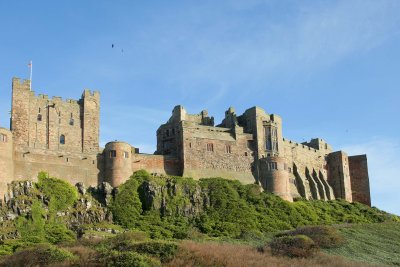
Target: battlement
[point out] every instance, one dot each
(87, 93)
(19, 84)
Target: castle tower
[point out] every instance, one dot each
(91, 121)
(275, 177)
(118, 162)
(20, 111)
(339, 175)
(6, 160)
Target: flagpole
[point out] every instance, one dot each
(30, 77)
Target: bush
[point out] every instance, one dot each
(126, 206)
(62, 194)
(39, 255)
(57, 232)
(323, 236)
(293, 246)
(127, 259)
(163, 250)
(32, 229)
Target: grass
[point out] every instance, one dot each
(372, 243)
(235, 255)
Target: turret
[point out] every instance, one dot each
(20, 110)
(118, 162)
(91, 121)
(275, 176)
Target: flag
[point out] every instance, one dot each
(30, 64)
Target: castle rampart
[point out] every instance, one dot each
(62, 138)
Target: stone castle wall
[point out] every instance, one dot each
(62, 138)
(216, 152)
(360, 179)
(6, 159)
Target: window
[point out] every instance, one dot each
(173, 131)
(210, 147)
(272, 166)
(113, 153)
(71, 122)
(3, 138)
(289, 170)
(39, 117)
(126, 155)
(228, 149)
(245, 154)
(190, 145)
(167, 133)
(62, 139)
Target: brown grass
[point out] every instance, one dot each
(193, 254)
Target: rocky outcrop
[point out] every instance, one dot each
(86, 210)
(173, 198)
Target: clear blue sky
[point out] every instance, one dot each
(331, 69)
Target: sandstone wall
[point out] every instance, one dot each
(6, 160)
(339, 175)
(359, 179)
(308, 170)
(72, 167)
(215, 152)
(159, 164)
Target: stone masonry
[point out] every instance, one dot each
(62, 138)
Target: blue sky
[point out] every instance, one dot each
(329, 68)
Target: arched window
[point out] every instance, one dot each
(62, 139)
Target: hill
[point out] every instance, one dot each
(145, 219)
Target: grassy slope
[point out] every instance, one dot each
(372, 243)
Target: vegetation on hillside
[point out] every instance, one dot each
(230, 209)
(153, 214)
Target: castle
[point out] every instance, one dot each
(62, 138)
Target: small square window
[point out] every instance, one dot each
(113, 154)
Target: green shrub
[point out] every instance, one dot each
(39, 255)
(323, 236)
(227, 209)
(62, 194)
(32, 229)
(127, 259)
(57, 232)
(293, 246)
(126, 206)
(165, 251)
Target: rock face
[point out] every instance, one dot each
(86, 209)
(173, 198)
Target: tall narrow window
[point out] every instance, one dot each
(126, 155)
(210, 147)
(71, 120)
(228, 149)
(62, 139)
(39, 117)
(271, 138)
(3, 138)
(113, 153)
